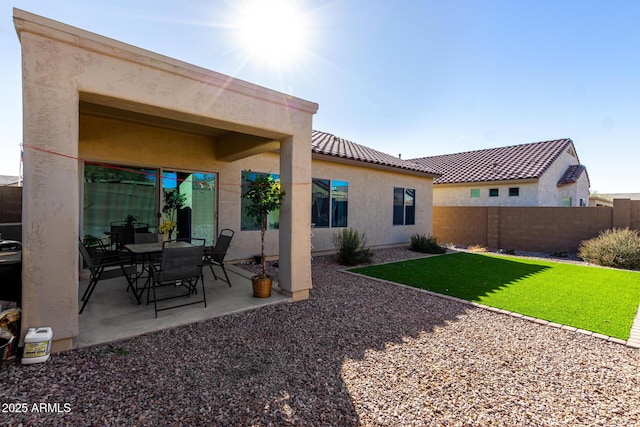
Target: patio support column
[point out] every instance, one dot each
(50, 206)
(295, 218)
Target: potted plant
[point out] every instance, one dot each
(264, 196)
(173, 201)
(165, 229)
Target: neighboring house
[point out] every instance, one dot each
(607, 199)
(109, 127)
(10, 181)
(600, 200)
(545, 173)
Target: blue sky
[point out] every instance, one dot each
(416, 78)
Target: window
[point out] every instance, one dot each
(583, 203)
(475, 192)
(329, 203)
(514, 191)
(493, 192)
(114, 192)
(566, 202)
(248, 223)
(404, 207)
(339, 203)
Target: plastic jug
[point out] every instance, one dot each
(37, 345)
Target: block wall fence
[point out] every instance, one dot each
(539, 229)
(10, 204)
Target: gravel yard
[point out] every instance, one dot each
(358, 352)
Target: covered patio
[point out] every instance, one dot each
(92, 104)
(112, 313)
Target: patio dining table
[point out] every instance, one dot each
(147, 251)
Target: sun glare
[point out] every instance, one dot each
(275, 32)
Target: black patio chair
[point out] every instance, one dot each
(105, 268)
(180, 264)
(214, 255)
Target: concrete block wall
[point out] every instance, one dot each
(10, 204)
(540, 229)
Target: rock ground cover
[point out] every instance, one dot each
(358, 352)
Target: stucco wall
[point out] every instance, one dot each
(460, 195)
(118, 141)
(371, 204)
(550, 194)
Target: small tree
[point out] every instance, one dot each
(264, 196)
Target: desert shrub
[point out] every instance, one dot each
(350, 247)
(426, 244)
(618, 248)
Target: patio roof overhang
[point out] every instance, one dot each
(69, 73)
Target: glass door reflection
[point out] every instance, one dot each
(196, 214)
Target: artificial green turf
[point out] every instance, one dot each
(591, 298)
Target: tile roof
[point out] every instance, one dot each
(572, 174)
(329, 144)
(524, 161)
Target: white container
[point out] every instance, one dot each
(37, 345)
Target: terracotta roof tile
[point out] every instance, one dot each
(572, 174)
(329, 144)
(522, 161)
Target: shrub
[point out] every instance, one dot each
(350, 247)
(618, 248)
(426, 244)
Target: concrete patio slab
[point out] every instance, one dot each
(112, 313)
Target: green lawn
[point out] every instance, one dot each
(591, 298)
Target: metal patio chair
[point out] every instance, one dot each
(178, 274)
(214, 255)
(105, 268)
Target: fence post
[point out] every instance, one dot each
(621, 213)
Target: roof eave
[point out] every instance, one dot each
(372, 165)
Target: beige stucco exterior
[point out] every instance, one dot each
(371, 203)
(460, 194)
(73, 83)
(541, 192)
(370, 206)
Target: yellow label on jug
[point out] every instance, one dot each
(35, 349)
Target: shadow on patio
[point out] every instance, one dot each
(112, 313)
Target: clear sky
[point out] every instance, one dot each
(416, 78)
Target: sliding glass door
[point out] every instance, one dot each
(118, 199)
(195, 214)
(114, 196)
